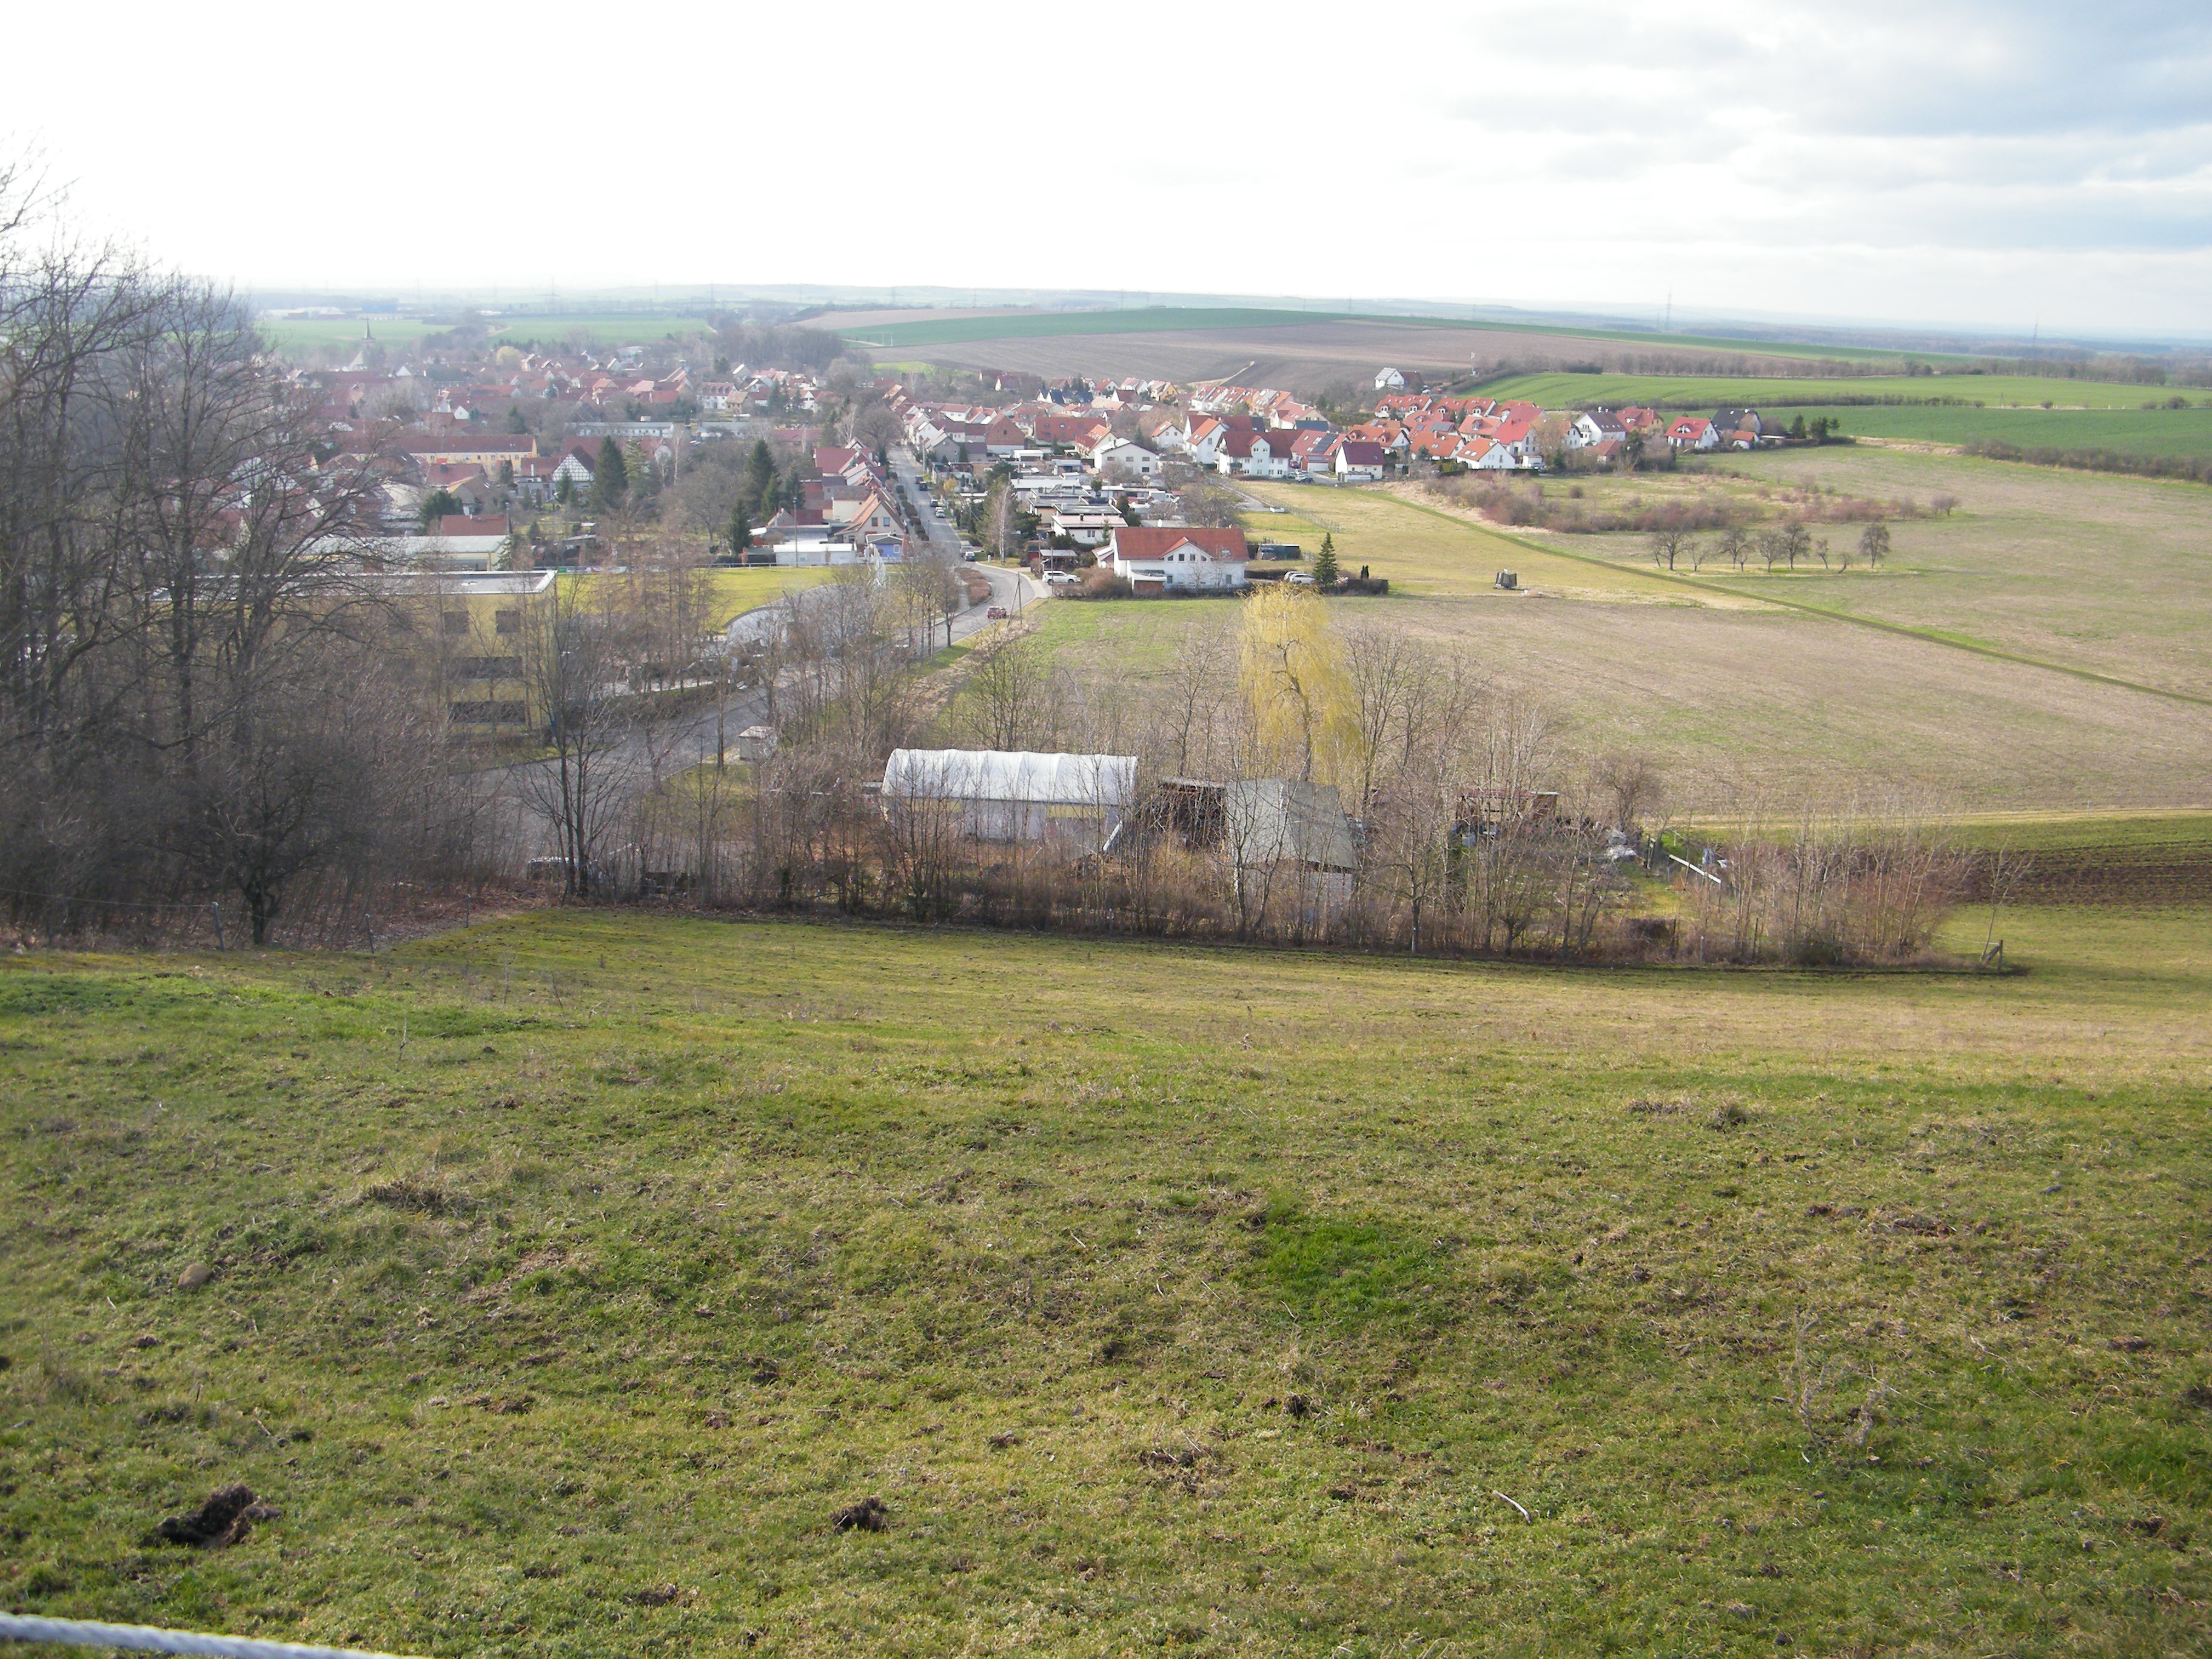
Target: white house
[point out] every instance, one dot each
(1358, 461)
(1257, 454)
(1389, 379)
(1518, 439)
(1595, 426)
(1204, 444)
(1120, 455)
(575, 469)
(1155, 560)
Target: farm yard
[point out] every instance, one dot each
(614, 1283)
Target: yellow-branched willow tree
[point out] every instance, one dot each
(1298, 692)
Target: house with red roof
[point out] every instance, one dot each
(1257, 454)
(1691, 432)
(1387, 435)
(1159, 559)
(1518, 439)
(1315, 451)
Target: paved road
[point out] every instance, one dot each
(943, 539)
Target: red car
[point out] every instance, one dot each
(996, 613)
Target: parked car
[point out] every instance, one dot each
(996, 613)
(1297, 579)
(1062, 579)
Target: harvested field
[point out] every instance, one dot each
(1273, 349)
(1736, 700)
(2109, 574)
(1734, 705)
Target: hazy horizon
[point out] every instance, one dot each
(1958, 164)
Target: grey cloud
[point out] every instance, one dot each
(1896, 70)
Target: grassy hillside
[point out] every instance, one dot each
(570, 1275)
(1692, 393)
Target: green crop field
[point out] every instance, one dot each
(1692, 393)
(562, 1280)
(2180, 432)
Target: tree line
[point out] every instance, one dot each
(1462, 821)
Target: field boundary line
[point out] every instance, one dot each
(1931, 636)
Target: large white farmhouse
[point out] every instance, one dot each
(1158, 561)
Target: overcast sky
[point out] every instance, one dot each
(1984, 163)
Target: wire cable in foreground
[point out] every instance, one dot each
(77, 1633)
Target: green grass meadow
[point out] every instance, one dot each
(568, 1273)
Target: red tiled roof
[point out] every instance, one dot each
(1132, 542)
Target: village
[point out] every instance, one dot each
(470, 482)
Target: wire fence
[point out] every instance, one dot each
(64, 907)
(145, 1639)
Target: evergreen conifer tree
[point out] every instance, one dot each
(760, 480)
(1325, 571)
(611, 477)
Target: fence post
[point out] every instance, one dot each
(215, 910)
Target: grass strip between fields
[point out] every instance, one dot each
(1933, 636)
